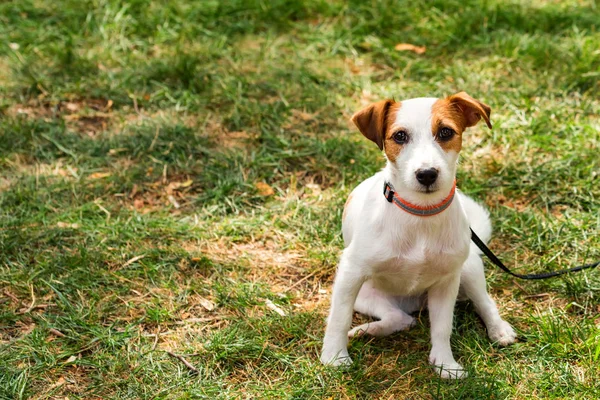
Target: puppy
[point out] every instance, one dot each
(406, 232)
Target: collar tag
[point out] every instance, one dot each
(388, 192)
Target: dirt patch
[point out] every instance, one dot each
(235, 139)
(224, 138)
(150, 197)
(302, 119)
(266, 256)
(518, 204)
(86, 116)
(287, 272)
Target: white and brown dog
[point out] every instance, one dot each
(406, 232)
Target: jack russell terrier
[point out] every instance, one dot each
(406, 232)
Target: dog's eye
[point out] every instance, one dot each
(446, 134)
(400, 137)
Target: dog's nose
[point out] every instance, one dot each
(427, 176)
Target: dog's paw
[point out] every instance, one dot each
(335, 358)
(445, 366)
(451, 371)
(502, 333)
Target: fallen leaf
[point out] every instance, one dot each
(316, 189)
(410, 47)
(134, 259)
(178, 185)
(273, 307)
(558, 211)
(72, 107)
(206, 303)
(264, 189)
(56, 332)
(518, 205)
(71, 359)
(67, 225)
(173, 201)
(26, 329)
(61, 381)
(99, 175)
(112, 152)
(195, 320)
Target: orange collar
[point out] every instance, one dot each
(390, 195)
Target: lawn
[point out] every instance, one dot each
(173, 175)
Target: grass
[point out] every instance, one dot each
(167, 167)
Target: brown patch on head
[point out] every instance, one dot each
(346, 207)
(392, 148)
(444, 114)
(457, 112)
(376, 123)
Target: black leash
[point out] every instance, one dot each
(390, 196)
(504, 268)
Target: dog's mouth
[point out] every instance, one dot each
(427, 189)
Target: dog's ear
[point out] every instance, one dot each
(473, 110)
(372, 121)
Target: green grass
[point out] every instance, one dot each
(167, 167)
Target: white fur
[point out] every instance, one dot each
(396, 263)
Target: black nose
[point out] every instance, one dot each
(427, 176)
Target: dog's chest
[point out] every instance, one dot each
(412, 266)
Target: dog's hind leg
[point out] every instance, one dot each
(384, 307)
(472, 282)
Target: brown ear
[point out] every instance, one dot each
(473, 110)
(372, 121)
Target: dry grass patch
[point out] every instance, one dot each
(72, 380)
(265, 260)
(60, 169)
(286, 272)
(86, 116)
(223, 138)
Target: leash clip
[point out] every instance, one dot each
(388, 192)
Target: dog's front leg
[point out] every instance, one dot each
(441, 299)
(348, 281)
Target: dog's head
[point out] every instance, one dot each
(421, 139)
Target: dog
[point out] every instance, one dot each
(406, 232)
